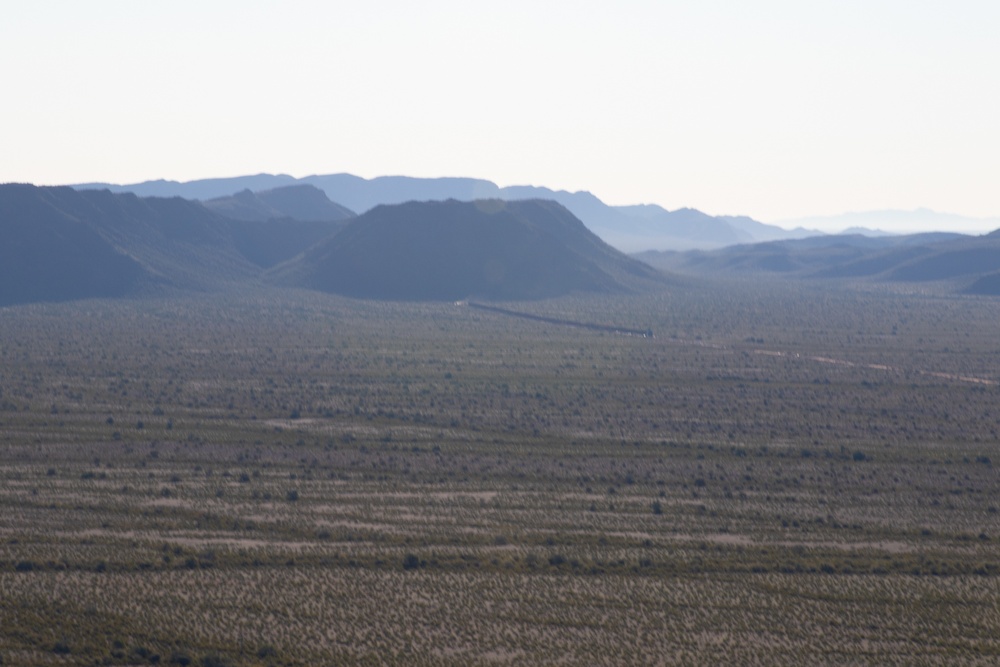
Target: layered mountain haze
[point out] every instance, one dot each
(208, 188)
(955, 262)
(451, 250)
(279, 223)
(305, 203)
(63, 244)
(424, 239)
(893, 221)
(627, 228)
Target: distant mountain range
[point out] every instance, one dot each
(627, 228)
(895, 222)
(299, 202)
(62, 244)
(968, 264)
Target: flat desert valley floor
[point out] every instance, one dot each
(781, 475)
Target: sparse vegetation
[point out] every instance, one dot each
(472, 488)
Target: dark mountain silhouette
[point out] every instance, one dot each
(628, 228)
(451, 250)
(48, 254)
(61, 243)
(179, 242)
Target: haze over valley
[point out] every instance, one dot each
(451, 334)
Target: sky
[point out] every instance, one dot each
(776, 109)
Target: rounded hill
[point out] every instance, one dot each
(450, 250)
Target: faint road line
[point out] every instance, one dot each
(877, 367)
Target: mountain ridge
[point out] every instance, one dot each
(306, 203)
(451, 250)
(956, 262)
(94, 243)
(897, 221)
(623, 227)
(65, 244)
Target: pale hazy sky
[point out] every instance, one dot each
(772, 108)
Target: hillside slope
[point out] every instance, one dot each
(48, 254)
(62, 244)
(956, 262)
(487, 249)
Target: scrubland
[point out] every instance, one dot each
(782, 475)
